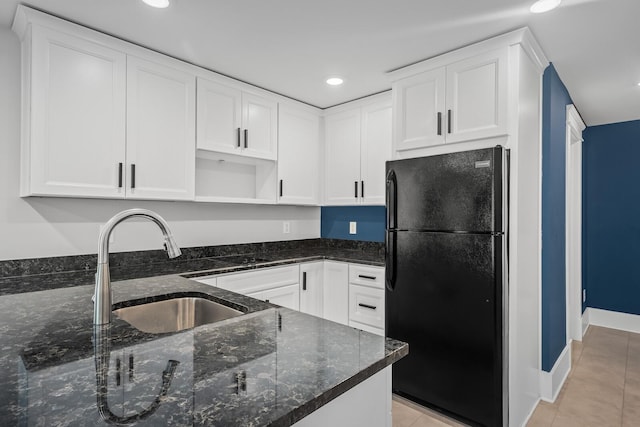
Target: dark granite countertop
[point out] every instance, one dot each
(271, 366)
(29, 275)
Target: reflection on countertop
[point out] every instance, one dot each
(270, 366)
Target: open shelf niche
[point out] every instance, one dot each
(230, 178)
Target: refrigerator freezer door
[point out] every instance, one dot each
(450, 192)
(447, 303)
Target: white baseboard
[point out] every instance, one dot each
(551, 382)
(585, 321)
(612, 319)
(533, 409)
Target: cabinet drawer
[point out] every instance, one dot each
(260, 279)
(366, 275)
(366, 305)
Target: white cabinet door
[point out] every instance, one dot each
(342, 176)
(219, 117)
(477, 96)
(160, 131)
(260, 122)
(311, 288)
(298, 156)
(236, 122)
(375, 150)
(366, 305)
(335, 293)
(76, 138)
(261, 279)
(419, 103)
(285, 296)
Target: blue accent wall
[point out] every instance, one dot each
(334, 222)
(611, 216)
(555, 99)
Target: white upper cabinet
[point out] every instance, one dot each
(160, 131)
(99, 121)
(419, 105)
(298, 156)
(219, 117)
(73, 116)
(375, 150)
(260, 121)
(358, 142)
(342, 160)
(236, 122)
(477, 97)
(462, 101)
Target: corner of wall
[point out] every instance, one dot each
(551, 382)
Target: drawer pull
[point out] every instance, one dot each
(372, 307)
(304, 280)
(362, 276)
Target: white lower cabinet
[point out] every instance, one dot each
(285, 296)
(366, 405)
(366, 305)
(366, 298)
(351, 294)
(262, 279)
(336, 292)
(311, 288)
(277, 285)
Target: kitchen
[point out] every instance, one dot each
(48, 227)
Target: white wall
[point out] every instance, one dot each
(41, 227)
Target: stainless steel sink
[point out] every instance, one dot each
(175, 314)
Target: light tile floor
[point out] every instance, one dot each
(408, 414)
(603, 388)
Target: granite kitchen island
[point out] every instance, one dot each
(269, 366)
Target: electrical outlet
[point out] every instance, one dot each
(286, 227)
(584, 295)
(352, 227)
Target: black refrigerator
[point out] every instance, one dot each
(446, 281)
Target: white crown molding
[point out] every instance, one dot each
(522, 36)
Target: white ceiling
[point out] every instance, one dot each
(292, 46)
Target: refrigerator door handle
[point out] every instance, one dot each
(390, 261)
(392, 200)
(390, 238)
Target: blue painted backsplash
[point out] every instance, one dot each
(334, 222)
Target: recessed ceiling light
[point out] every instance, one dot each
(542, 6)
(334, 81)
(157, 3)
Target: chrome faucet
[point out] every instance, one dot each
(102, 296)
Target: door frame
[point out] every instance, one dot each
(573, 223)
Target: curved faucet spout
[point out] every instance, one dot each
(102, 295)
